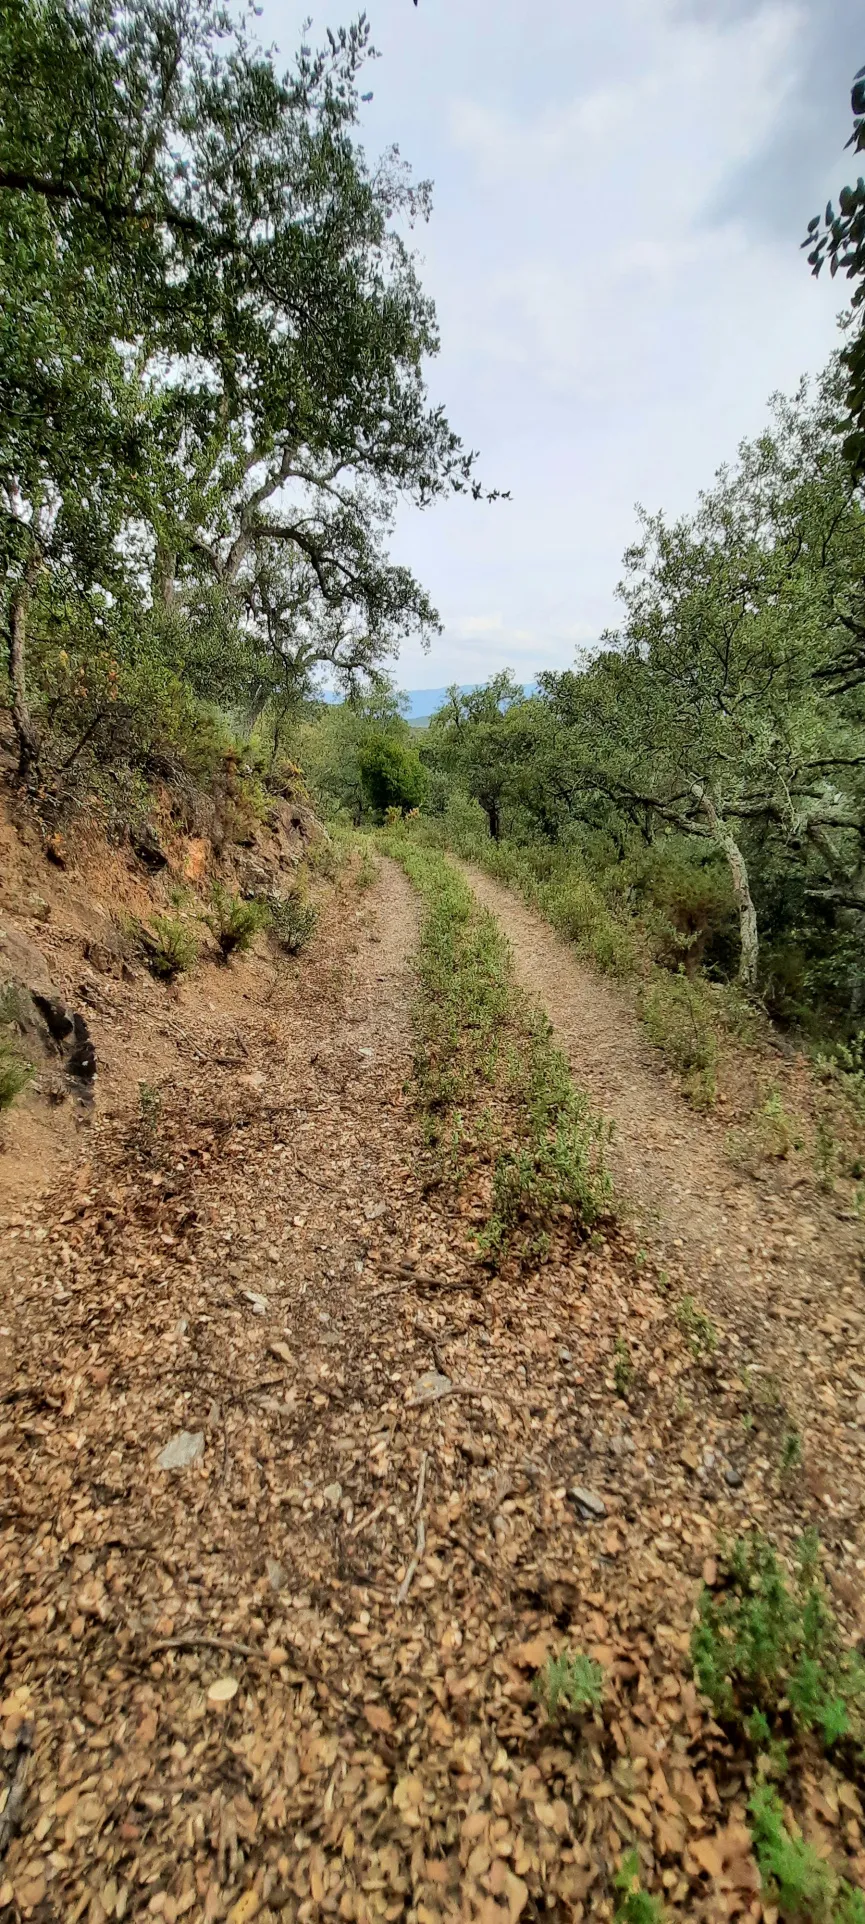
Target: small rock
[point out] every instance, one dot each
(185, 1448)
(709, 1459)
(373, 1211)
(57, 1018)
(860, 1409)
(564, 1355)
(81, 1060)
(429, 1386)
(148, 847)
(333, 1494)
(587, 1501)
(260, 1304)
(733, 1477)
(275, 1574)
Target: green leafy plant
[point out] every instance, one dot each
(234, 921)
(767, 1651)
(15, 1073)
(572, 1680)
(292, 922)
(169, 946)
(699, 1328)
(635, 1906)
(791, 1452)
(677, 1014)
(796, 1878)
(623, 1368)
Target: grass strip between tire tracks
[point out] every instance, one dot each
(496, 1093)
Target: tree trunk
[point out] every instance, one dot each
(164, 576)
(748, 935)
(22, 720)
(491, 810)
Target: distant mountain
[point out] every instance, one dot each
(423, 702)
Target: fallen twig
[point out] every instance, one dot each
(209, 1643)
(420, 1541)
(366, 1522)
(11, 1813)
(462, 1389)
(411, 1572)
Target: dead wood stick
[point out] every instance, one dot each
(233, 1649)
(11, 1814)
(366, 1522)
(462, 1389)
(209, 1643)
(411, 1572)
(420, 1540)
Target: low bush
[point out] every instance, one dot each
(795, 1878)
(292, 922)
(766, 1645)
(15, 1073)
(169, 947)
(635, 1906)
(573, 1681)
(678, 1018)
(699, 1328)
(234, 921)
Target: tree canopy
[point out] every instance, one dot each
(212, 343)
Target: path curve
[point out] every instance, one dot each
(776, 1263)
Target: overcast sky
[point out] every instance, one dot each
(620, 191)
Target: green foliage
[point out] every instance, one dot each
(292, 921)
(15, 1073)
(234, 921)
(571, 1681)
(839, 238)
(677, 1016)
(623, 1368)
(475, 1031)
(762, 1644)
(203, 375)
(391, 775)
(799, 1881)
(699, 1328)
(635, 1906)
(168, 945)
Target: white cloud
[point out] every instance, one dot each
(606, 337)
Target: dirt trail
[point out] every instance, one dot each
(293, 1680)
(777, 1262)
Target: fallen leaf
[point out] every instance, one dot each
(247, 1906)
(379, 1718)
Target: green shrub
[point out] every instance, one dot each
(235, 922)
(762, 1644)
(845, 1065)
(699, 1328)
(635, 1906)
(573, 1680)
(795, 1877)
(169, 946)
(392, 775)
(292, 922)
(15, 1073)
(677, 1015)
